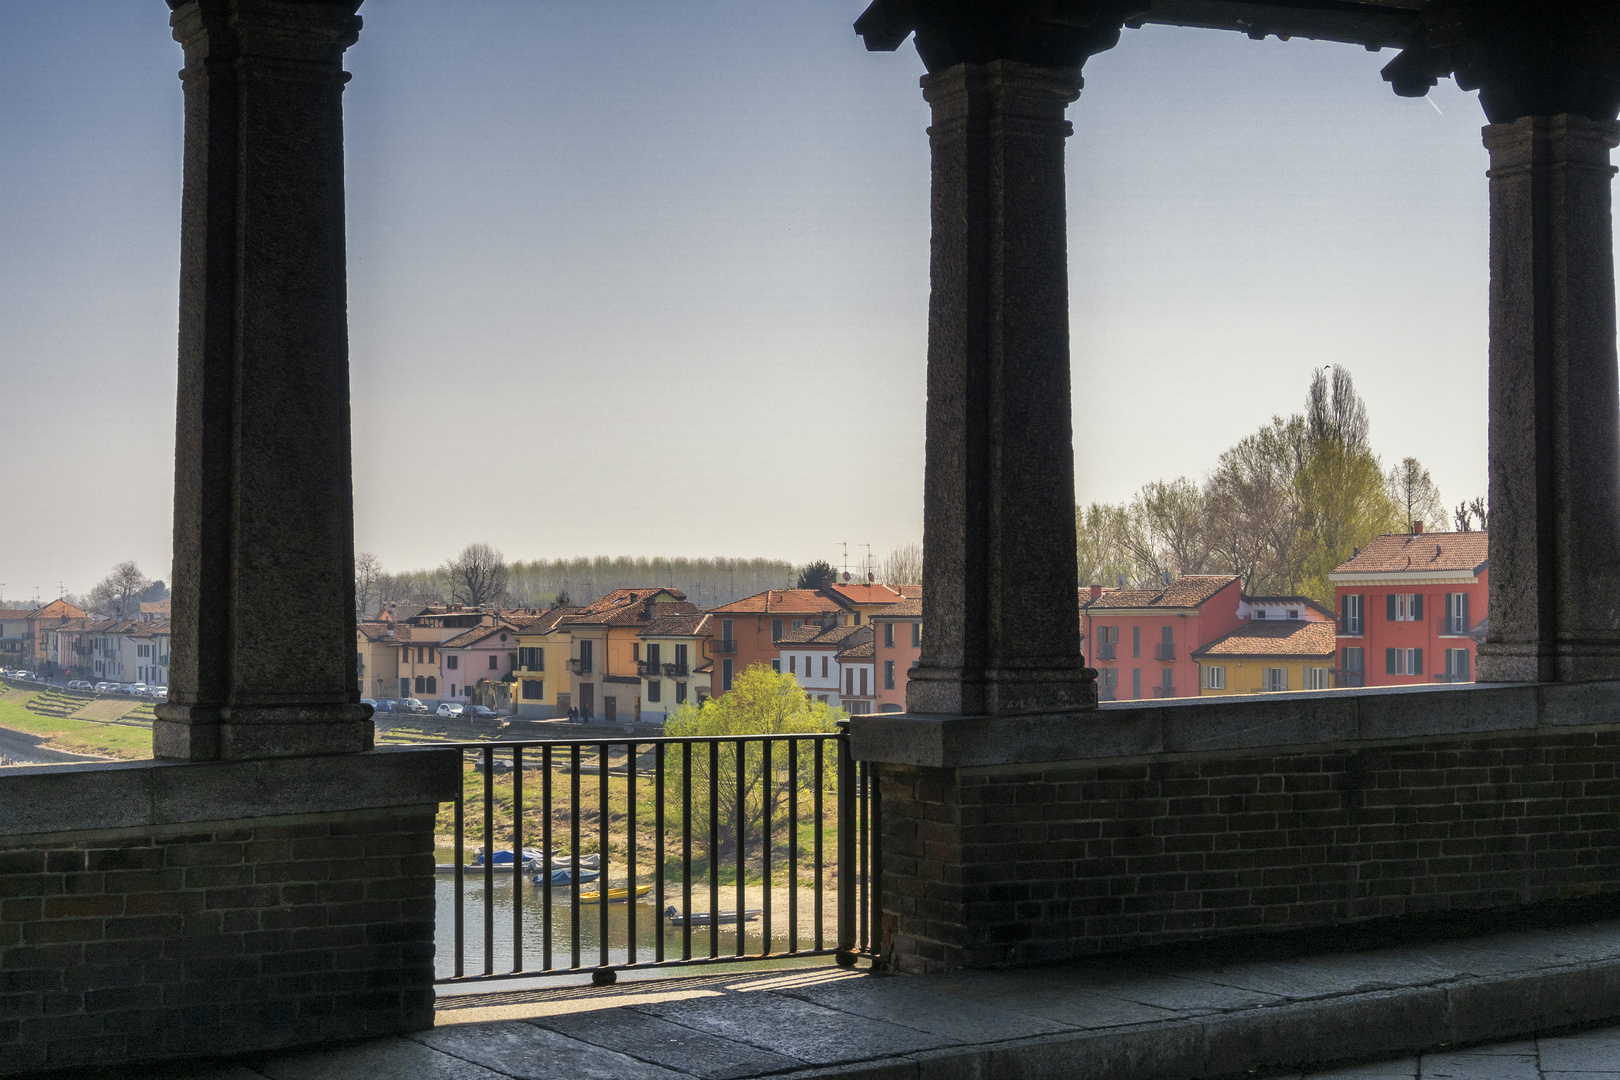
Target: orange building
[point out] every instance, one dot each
(897, 637)
(749, 628)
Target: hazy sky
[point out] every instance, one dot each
(652, 278)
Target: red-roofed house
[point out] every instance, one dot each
(749, 628)
(1411, 609)
(897, 639)
(1141, 640)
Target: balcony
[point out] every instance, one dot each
(1106, 693)
(1104, 651)
(580, 666)
(1164, 691)
(726, 645)
(675, 671)
(1164, 652)
(1348, 679)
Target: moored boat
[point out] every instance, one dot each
(563, 875)
(614, 896)
(703, 918)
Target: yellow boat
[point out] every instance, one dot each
(613, 895)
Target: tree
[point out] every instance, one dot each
(1100, 544)
(813, 574)
(119, 593)
(563, 599)
(367, 572)
(1167, 530)
(904, 565)
(477, 576)
(1467, 513)
(760, 702)
(1252, 503)
(1414, 493)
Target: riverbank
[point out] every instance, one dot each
(29, 738)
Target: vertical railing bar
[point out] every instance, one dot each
(630, 852)
(602, 879)
(573, 853)
(793, 845)
(863, 794)
(742, 843)
(846, 846)
(545, 857)
(658, 850)
(517, 858)
(767, 791)
(489, 860)
(821, 814)
(714, 848)
(686, 851)
(461, 914)
(876, 833)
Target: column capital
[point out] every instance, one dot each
(1040, 33)
(315, 31)
(1526, 59)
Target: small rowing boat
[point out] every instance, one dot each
(702, 918)
(563, 875)
(614, 896)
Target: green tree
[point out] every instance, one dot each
(813, 574)
(760, 702)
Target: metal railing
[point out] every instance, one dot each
(1164, 652)
(1164, 691)
(726, 644)
(580, 665)
(1104, 650)
(721, 815)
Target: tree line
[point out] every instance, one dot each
(1280, 509)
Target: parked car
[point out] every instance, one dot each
(161, 693)
(78, 684)
(449, 708)
(369, 701)
(386, 704)
(479, 712)
(413, 705)
(104, 687)
(138, 688)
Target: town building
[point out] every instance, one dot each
(128, 650)
(675, 664)
(1268, 656)
(855, 668)
(897, 638)
(1141, 641)
(377, 657)
(420, 637)
(1274, 608)
(748, 629)
(607, 649)
(863, 599)
(810, 653)
(1412, 607)
(484, 652)
(545, 680)
(16, 639)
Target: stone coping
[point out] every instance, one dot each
(1204, 725)
(53, 799)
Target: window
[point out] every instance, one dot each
(585, 658)
(421, 654)
(823, 665)
(433, 685)
(1259, 612)
(421, 685)
(680, 693)
(1275, 678)
(1136, 682)
(652, 655)
(1136, 643)
(1355, 666)
(534, 689)
(863, 682)
(452, 689)
(451, 661)
(849, 682)
(776, 666)
(797, 623)
(1457, 662)
(1404, 607)
(793, 664)
(532, 659)
(1318, 678)
(1293, 613)
(680, 659)
(1110, 676)
(916, 635)
(1403, 661)
(494, 662)
(1456, 613)
(655, 690)
(725, 675)
(1214, 678)
(888, 673)
(725, 632)
(888, 635)
(1167, 678)
(432, 658)
(635, 651)
(1350, 614)
(776, 629)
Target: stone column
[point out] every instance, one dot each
(263, 613)
(1555, 403)
(1001, 616)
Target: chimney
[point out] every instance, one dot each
(1417, 528)
(1096, 591)
(826, 584)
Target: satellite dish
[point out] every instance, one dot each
(846, 575)
(871, 576)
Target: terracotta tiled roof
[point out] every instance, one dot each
(620, 598)
(1184, 592)
(154, 607)
(783, 601)
(864, 593)
(473, 635)
(815, 635)
(545, 622)
(908, 608)
(377, 630)
(637, 614)
(7, 614)
(679, 625)
(1419, 553)
(866, 650)
(58, 609)
(1289, 638)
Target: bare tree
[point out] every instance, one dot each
(367, 574)
(1100, 549)
(1414, 492)
(1252, 502)
(903, 566)
(119, 592)
(478, 576)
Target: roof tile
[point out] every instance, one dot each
(1419, 553)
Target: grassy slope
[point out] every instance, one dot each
(77, 736)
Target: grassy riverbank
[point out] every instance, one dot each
(124, 741)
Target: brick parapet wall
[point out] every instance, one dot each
(1030, 863)
(126, 945)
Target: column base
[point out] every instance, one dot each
(1547, 661)
(245, 732)
(1000, 691)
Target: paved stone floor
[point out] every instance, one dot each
(1472, 1008)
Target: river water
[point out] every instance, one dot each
(649, 924)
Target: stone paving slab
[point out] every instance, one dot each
(1489, 1008)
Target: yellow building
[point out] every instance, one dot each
(378, 656)
(675, 664)
(606, 657)
(545, 683)
(1267, 657)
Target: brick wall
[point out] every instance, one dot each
(215, 939)
(1018, 864)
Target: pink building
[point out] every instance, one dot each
(897, 640)
(483, 652)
